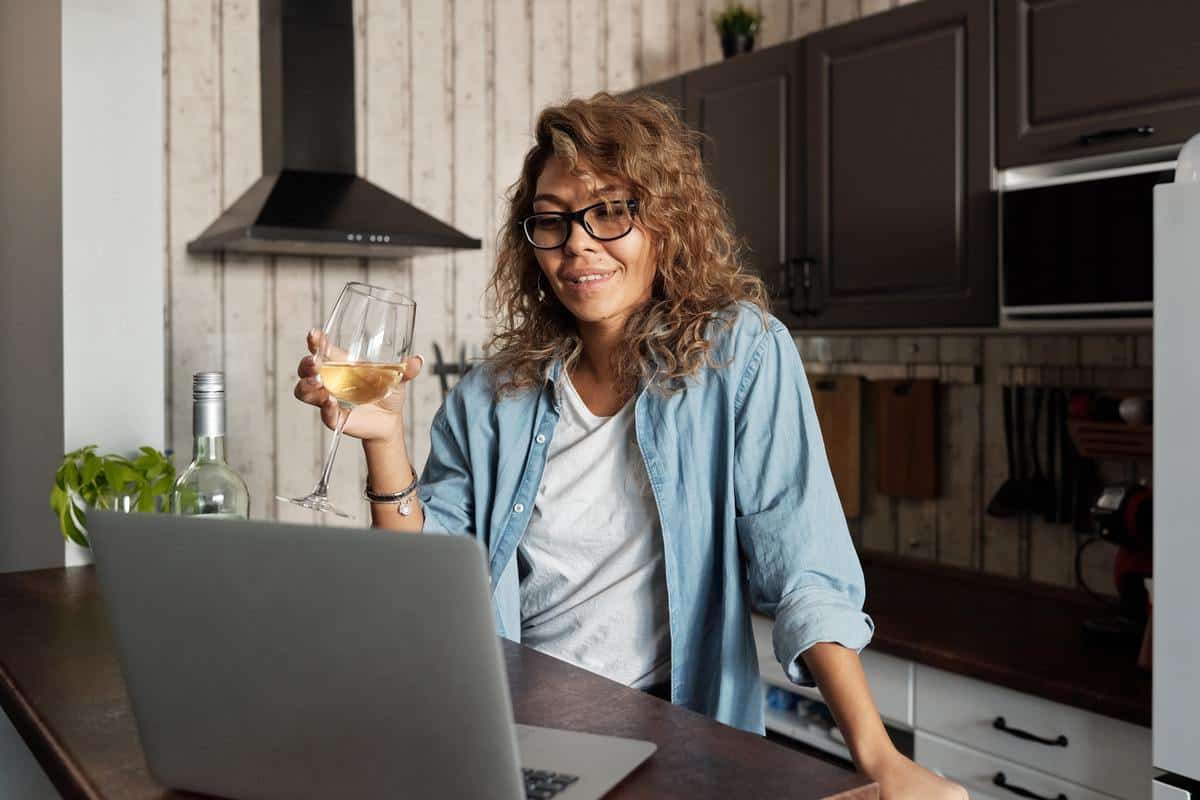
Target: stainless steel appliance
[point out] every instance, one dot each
(1080, 245)
(1176, 593)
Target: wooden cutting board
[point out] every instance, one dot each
(906, 438)
(838, 401)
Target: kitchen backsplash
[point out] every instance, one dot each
(971, 370)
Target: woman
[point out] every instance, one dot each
(639, 451)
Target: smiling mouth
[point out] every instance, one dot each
(585, 280)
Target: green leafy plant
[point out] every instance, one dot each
(737, 20)
(86, 480)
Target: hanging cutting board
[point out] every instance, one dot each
(906, 438)
(838, 401)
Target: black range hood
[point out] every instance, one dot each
(309, 200)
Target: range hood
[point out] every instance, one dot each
(309, 200)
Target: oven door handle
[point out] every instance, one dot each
(1116, 133)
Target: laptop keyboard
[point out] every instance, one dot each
(540, 785)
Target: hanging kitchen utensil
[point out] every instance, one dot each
(1039, 486)
(906, 438)
(1070, 463)
(838, 403)
(443, 368)
(1009, 500)
(1005, 503)
(439, 369)
(1053, 458)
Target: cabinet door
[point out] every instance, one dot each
(1086, 77)
(901, 216)
(669, 89)
(749, 108)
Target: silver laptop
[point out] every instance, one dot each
(285, 661)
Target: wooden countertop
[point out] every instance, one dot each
(61, 685)
(1011, 633)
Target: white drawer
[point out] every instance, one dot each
(1102, 753)
(890, 678)
(977, 772)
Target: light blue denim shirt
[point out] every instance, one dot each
(750, 516)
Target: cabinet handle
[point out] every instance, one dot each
(1116, 133)
(788, 284)
(785, 286)
(1003, 783)
(1000, 725)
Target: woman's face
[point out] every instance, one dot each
(598, 282)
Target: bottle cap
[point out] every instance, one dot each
(208, 385)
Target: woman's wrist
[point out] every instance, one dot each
(873, 753)
(385, 444)
(388, 466)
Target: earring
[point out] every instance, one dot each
(541, 293)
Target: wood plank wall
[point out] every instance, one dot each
(446, 94)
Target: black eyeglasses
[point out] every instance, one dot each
(604, 221)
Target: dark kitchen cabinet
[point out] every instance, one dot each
(901, 221)
(750, 109)
(1086, 77)
(669, 89)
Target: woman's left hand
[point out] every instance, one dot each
(901, 779)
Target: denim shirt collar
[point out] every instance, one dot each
(554, 376)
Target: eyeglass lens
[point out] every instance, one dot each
(604, 221)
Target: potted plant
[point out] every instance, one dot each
(737, 26)
(86, 480)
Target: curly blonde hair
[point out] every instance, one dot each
(699, 272)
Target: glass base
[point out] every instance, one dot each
(316, 502)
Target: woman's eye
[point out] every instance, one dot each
(547, 223)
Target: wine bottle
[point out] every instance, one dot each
(208, 485)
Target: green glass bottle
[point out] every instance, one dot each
(208, 485)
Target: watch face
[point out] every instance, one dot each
(1110, 499)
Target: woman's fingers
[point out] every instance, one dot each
(316, 342)
(412, 367)
(307, 368)
(309, 390)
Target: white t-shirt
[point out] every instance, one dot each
(595, 592)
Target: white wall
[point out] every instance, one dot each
(30, 282)
(114, 223)
(20, 775)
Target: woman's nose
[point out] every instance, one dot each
(578, 240)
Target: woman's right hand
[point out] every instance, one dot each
(379, 421)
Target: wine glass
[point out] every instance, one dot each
(360, 360)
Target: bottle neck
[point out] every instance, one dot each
(208, 430)
(209, 448)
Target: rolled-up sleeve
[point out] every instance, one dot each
(446, 490)
(800, 560)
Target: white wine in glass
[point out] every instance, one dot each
(360, 360)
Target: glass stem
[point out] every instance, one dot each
(322, 485)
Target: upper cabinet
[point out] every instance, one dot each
(1087, 77)
(669, 89)
(750, 109)
(901, 221)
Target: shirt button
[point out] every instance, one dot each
(518, 508)
(541, 438)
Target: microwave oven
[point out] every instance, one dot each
(1080, 245)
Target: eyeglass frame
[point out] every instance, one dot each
(579, 216)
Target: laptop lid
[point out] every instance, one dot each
(282, 661)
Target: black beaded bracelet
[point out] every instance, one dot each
(402, 498)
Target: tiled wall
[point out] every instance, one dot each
(972, 369)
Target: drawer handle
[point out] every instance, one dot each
(1115, 133)
(1003, 783)
(1001, 725)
